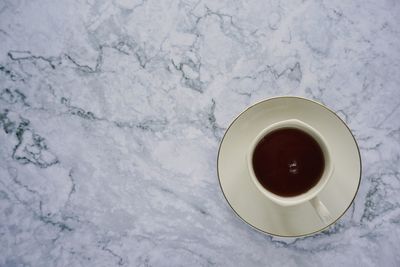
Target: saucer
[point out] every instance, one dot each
(250, 204)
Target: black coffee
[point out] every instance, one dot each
(288, 162)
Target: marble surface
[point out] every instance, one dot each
(111, 114)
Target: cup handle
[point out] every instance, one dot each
(322, 211)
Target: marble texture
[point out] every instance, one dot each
(111, 114)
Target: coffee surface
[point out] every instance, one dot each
(288, 162)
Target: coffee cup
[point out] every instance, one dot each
(311, 195)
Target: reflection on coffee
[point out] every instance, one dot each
(288, 162)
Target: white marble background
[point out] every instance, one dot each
(111, 113)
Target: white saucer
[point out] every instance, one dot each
(250, 204)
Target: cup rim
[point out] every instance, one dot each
(312, 192)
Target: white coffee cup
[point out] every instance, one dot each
(312, 194)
